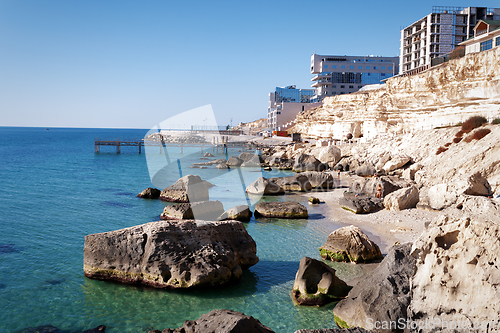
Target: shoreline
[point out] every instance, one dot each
(384, 227)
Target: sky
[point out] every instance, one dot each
(133, 64)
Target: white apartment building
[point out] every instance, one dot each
(486, 36)
(439, 33)
(285, 103)
(337, 75)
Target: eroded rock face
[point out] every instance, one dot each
(383, 295)
(189, 188)
(284, 210)
(350, 244)
(316, 283)
(318, 180)
(239, 213)
(402, 199)
(150, 193)
(201, 210)
(263, 186)
(457, 265)
(222, 321)
(171, 254)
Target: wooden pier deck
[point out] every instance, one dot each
(141, 143)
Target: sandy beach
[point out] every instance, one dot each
(384, 227)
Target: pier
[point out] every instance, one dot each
(141, 143)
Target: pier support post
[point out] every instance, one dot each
(118, 147)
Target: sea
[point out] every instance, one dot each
(55, 190)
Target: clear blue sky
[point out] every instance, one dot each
(135, 63)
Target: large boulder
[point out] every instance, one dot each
(402, 199)
(249, 156)
(304, 162)
(239, 213)
(350, 244)
(222, 321)
(444, 195)
(171, 254)
(263, 186)
(189, 188)
(360, 204)
(320, 180)
(368, 186)
(329, 155)
(457, 278)
(396, 162)
(150, 193)
(284, 210)
(316, 283)
(297, 182)
(234, 161)
(383, 295)
(201, 210)
(365, 170)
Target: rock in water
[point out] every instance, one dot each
(383, 295)
(284, 210)
(222, 321)
(316, 283)
(171, 254)
(263, 186)
(201, 210)
(239, 213)
(350, 244)
(457, 277)
(208, 155)
(189, 188)
(234, 161)
(150, 193)
(402, 199)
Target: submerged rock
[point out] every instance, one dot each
(284, 210)
(239, 213)
(171, 254)
(350, 244)
(222, 321)
(316, 283)
(234, 161)
(383, 295)
(189, 188)
(150, 193)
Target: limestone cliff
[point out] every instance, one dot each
(446, 94)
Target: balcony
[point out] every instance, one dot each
(319, 76)
(321, 83)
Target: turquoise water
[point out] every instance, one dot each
(55, 190)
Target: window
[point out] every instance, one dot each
(342, 86)
(342, 66)
(279, 112)
(334, 86)
(351, 67)
(382, 74)
(486, 45)
(374, 67)
(382, 67)
(367, 67)
(498, 41)
(390, 68)
(325, 66)
(302, 107)
(359, 87)
(351, 87)
(360, 67)
(334, 66)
